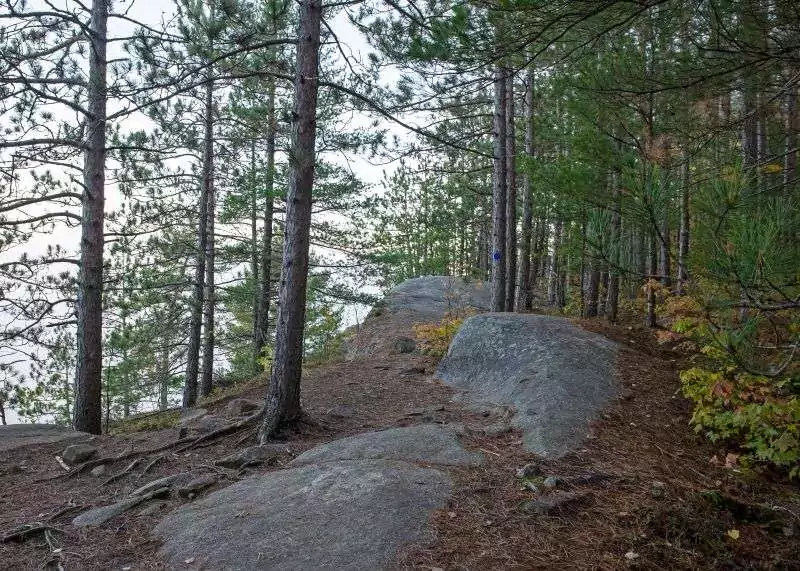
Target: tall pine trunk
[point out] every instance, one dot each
(196, 322)
(283, 396)
(261, 334)
(499, 194)
(525, 298)
(665, 250)
(790, 160)
(89, 309)
(209, 296)
(612, 301)
(683, 236)
(254, 258)
(511, 195)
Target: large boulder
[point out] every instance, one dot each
(17, 435)
(424, 443)
(554, 374)
(337, 515)
(431, 297)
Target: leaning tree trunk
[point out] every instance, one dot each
(525, 298)
(196, 324)
(511, 195)
(88, 379)
(499, 194)
(283, 396)
(261, 334)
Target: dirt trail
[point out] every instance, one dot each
(645, 494)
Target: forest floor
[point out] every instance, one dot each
(654, 497)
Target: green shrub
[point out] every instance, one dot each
(434, 338)
(755, 411)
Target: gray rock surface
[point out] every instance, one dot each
(18, 435)
(426, 443)
(77, 453)
(431, 297)
(239, 407)
(336, 515)
(555, 375)
(197, 485)
(554, 503)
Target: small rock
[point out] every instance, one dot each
(165, 482)
(529, 471)
(77, 453)
(658, 489)
(98, 471)
(788, 531)
(404, 345)
(413, 371)
(530, 486)
(196, 486)
(494, 430)
(551, 482)
(251, 456)
(239, 407)
(153, 509)
(551, 504)
(342, 411)
(205, 424)
(631, 556)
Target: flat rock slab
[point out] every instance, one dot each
(337, 515)
(555, 375)
(17, 435)
(431, 297)
(425, 443)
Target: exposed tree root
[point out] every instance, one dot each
(23, 532)
(124, 472)
(182, 445)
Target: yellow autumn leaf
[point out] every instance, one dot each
(733, 533)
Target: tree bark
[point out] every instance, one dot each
(209, 296)
(612, 302)
(525, 298)
(499, 194)
(89, 309)
(790, 160)
(283, 396)
(511, 195)
(553, 281)
(665, 250)
(651, 292)
(261, 336)
(196, 323)
(592, 289)
(683, 236)
(255, 274)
